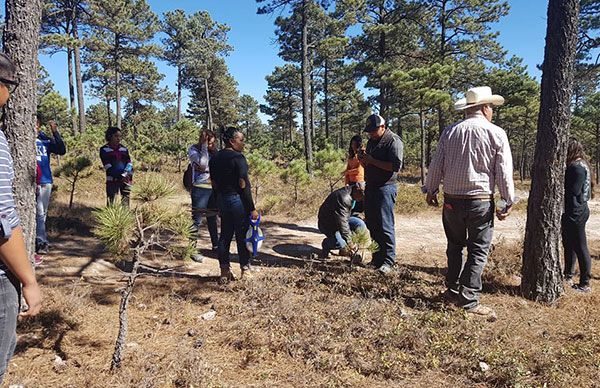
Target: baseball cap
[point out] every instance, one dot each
(7, 70)
(373, 122)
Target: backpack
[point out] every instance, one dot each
(187, 177)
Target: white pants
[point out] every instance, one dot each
(43, 199)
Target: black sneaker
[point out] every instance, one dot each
(43, 248)
(450, 296)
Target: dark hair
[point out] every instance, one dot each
(110, 131)
(210, 134)
(229, 134)
(355, 138)
(575, 151)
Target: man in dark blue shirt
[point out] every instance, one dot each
(382, 160)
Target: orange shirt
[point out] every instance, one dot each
(355, 172)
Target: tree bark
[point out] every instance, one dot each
(21, 40)
(597, 150)
(108, 115)
(305, 91)
(122, 336)
(79, 80)
(72, 107)
(542, 278)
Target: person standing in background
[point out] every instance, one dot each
(45, 146)
(119, 169)
(203, 200)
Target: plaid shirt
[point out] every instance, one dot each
(472, 157)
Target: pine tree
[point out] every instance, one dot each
(542, 278)
(248, 119)
(191, 45)
(283, 100)
(122, 31)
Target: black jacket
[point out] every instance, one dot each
(335, 211)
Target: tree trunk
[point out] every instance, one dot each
(108, 116)
(422, 125)
(118, 98)
(542, 278)
(209, 118)
(326, 98)
(72, 107)
(305, 91)
(122, 336)
(598, 153)
(179, 78)
(79, 80)
(313, 132)
(21, 40)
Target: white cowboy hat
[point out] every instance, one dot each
(478, 96)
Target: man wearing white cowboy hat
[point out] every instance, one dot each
(472, 157)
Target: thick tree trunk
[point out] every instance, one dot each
(79, 81)
(306, 91)
(122, 336)
(313, 130)
(21, 40)
(542, 278)
(72, 106)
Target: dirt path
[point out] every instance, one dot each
(287, 245)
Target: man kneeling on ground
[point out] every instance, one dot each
(336, 221)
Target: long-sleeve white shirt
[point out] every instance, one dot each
(473, 156)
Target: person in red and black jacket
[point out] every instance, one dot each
(117, 164)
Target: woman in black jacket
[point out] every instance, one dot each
(578, 190)
(229, 178)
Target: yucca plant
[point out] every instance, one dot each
(130, 233)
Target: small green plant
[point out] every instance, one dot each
(296, 176)
(130, 233)
(261, 169)
(74, 170)
(360, 243)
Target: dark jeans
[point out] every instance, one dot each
(379, 214)
(467, 223)
(112, 189)
(334, 240)
(202, 200)
(575, 244)
(234, 219)
(9, 309)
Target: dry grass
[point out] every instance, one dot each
(305, 327)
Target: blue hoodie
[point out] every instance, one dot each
(44, 146)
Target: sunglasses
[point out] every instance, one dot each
(10, 85)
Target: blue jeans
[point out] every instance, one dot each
(379, 213)
(9, 309)
(467, 223)
(202, 199)
(334, 240)
(234, 219)
(42, 200)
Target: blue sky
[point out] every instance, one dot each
(522, 33)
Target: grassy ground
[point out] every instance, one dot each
(303, 326)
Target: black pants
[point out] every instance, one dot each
(113, 188)
(575, 243)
